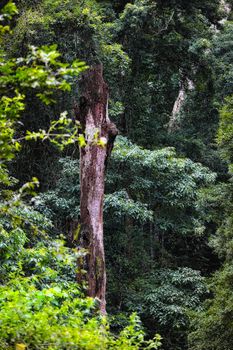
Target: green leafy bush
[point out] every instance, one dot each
(59, 317)
(163, 299)
(211, 329)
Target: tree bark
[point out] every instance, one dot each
(93, 116)
(186, 85)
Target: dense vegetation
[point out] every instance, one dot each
(168, 207)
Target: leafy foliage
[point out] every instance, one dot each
(225, 132)
(164, 299)
(40, 304)
(168, 203)
(156, 202)
(58, 317)
(211, 329)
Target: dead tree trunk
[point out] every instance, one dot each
(186, 85)
(93, 116)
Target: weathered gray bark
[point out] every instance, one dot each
(226, 7)
(173, 124)
(93, 116)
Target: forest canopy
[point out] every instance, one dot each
(116, 160)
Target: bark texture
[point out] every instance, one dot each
(92, 113)
(186, 85)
